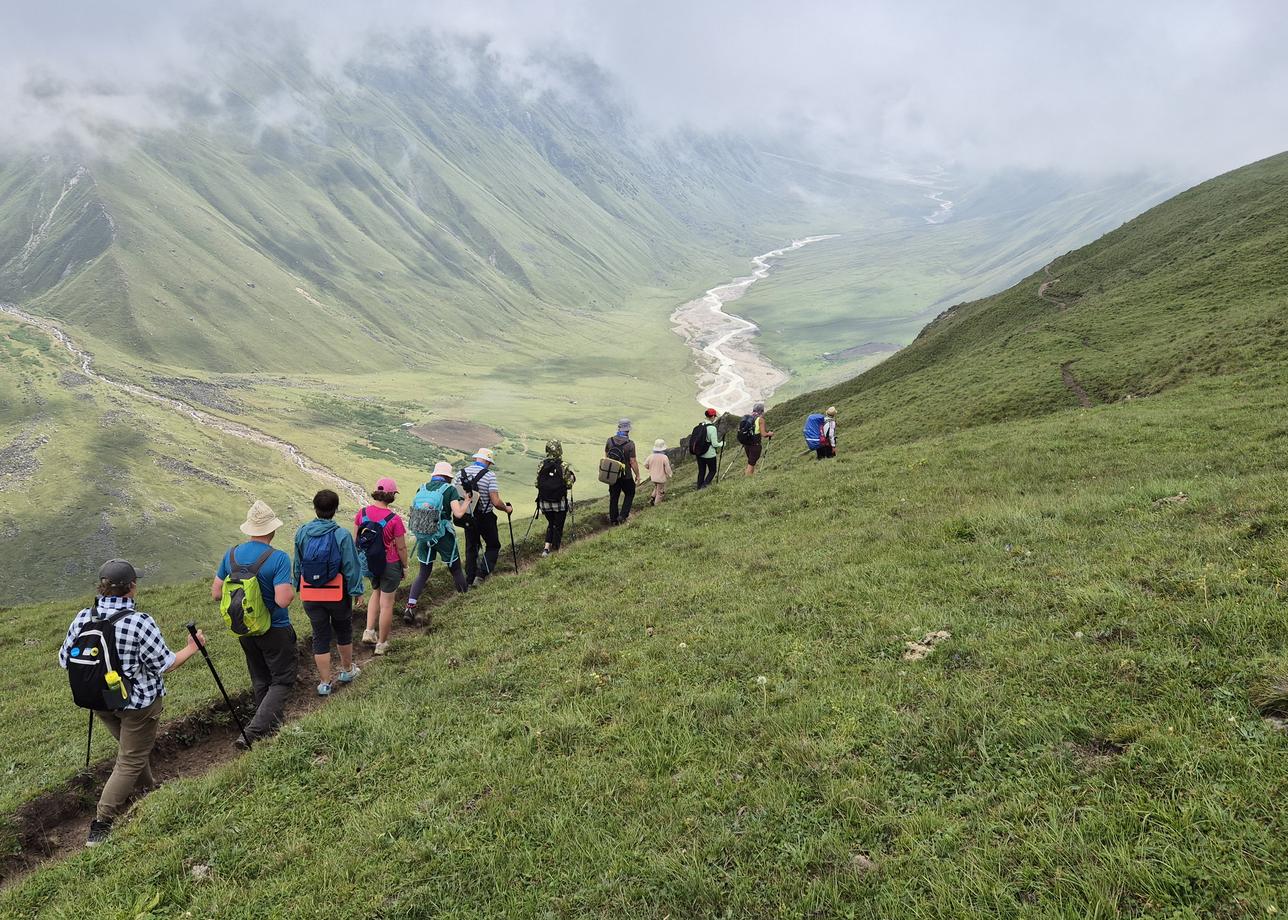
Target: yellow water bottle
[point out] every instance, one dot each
(114, 682)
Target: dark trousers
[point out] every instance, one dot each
(270, 658)
(824, 451)
(554, 527)
(482, 531)
(706, 471)
(331, 620)
(623, 491)
(422, 578)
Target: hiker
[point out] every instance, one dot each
(478, 481)
(752, 433)
(659, 469)
(619, 454)
(328, 576)
(554, 487)
(382, 541)
(433, 509)
(140, 657)
(827, 436)
(705, 444)
(270, 653)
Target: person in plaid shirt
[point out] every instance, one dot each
(144, 657)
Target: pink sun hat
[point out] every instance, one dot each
(386, 485)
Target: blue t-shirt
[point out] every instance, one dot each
(276, 570)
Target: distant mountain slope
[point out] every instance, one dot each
(411, 199)
(1196, 286)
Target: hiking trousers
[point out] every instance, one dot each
(706, 471)
(554, 527)
(483, 531)
(422, 579)
(135, 731)
(659, 492)
(623, 491)
(271, 660)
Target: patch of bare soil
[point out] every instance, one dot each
(1095, 753)
(457, 435)
(1072, 384)
(921, 648)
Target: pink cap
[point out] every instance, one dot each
(386, 485)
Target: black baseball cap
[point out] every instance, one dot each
(117, 573)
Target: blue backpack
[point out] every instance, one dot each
(426, 518)
(320, 560)
(814, 430)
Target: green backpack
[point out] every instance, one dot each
(242, 604)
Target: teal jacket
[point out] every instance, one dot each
(713, 439)
(349, 565)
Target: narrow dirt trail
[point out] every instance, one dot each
(1045, 287)
(202, 418)
(54, 824)
(1071, 382)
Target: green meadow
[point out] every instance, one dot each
(720, 709)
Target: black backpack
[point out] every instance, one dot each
(91, 658)
(550, 482)
(371, 543)
(747, 431)
(698, 443)
(470, 486)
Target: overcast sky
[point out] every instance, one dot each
(1189, 87)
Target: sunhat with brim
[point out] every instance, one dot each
(623, 424)
(117, 573)
(387, 485)
(483, 454)
(260, 521)
(831, 412)
(659, 445)
(443, 468)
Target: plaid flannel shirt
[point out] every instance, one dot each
(143, 654)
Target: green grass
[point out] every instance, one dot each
(595, 739)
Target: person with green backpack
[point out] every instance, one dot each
(254, 587)
(436, 503)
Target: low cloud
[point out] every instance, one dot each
(1186, 87)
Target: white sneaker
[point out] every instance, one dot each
(368, 637)
(382, 647)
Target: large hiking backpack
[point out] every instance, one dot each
(426, 518)
(814, 430)
(242, 604)
(551, 487)
(320, 563)
(371, 542)
(613, 466)
(747, 431)
(91, 659)
(698, 443)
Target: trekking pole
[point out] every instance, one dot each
(192, 631)
(509, 519)
(89, 739)
(719, 460)
(527, 533)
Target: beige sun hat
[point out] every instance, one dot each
(831, 412)
(260, 521)
(443, 468)
(659, 445)
(483, 454)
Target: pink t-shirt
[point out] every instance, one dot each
(393, 530)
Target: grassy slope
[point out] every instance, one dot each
(1082, 746)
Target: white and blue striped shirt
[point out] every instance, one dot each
(143, 654)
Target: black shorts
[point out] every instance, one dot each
(753, 452)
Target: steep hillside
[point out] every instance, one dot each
(999, 658)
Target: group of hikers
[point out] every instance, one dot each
(116, 657)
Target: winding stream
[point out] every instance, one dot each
(205, 419)
(734, 372)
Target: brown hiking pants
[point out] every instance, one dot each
(135, 731)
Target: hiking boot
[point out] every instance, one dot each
(240, 743)
(324, 689)
(545, 553)
(409, 616)
(346, 677)
(368, 637)
(382, 647)
(98, 831)
(478, 582)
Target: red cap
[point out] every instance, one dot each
(712, 413)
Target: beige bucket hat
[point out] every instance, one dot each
(260, 521)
